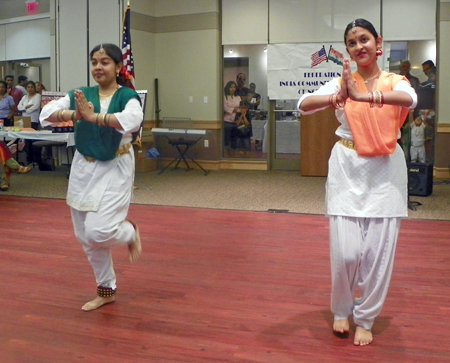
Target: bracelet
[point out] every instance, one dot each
(96, 119)
(72, 116)
(381, 99)
(103, 118)
(371, 99)
(334, 103)
(62, 115)
(58, 116)
(107, 117)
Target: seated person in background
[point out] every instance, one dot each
(7, 164)
(7, 105)
(417, 151)
(244, 133)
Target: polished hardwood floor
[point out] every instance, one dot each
(211, 286)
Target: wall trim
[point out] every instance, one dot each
(441, 173)
(443, 128)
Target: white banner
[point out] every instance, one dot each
(295, 69)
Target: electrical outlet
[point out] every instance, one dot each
(206, 143)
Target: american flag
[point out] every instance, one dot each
(318, 57)
(127, 53)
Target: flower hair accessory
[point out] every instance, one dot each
(124, 73)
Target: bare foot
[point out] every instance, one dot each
(362, 336)
(135, 247)
(97, 302)
(341, 326)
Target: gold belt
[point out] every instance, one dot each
(348, 143)
(124, 149)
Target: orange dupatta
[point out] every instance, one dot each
(375, 130)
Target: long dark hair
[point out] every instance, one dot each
(226, 89)
(363, 23)
(114, 52)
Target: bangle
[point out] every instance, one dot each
(62, 115)
(72, 116)
(381, 99)
(334, 103)
(96, 119)
(371, 99)
(107, 117)
(58, 116)
(103, 119)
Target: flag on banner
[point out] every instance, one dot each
(335, 56)
(127, 53)
(318, 57)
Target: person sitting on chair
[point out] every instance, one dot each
(7, 164)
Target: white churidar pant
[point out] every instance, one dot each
(362, 256)
(99, 231)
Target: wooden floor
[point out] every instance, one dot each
(212, 286)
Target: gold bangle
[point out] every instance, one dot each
(103, 118)
(58, 116)
(96, 119)
(107, 116)
(72, 116)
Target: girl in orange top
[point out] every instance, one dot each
(367, 179)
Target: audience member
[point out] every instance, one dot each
(405, 69)
(7, 105)
(231, 109)
(7, 164)
(30, 105)
(22, 84)
(14, 92)
(242, 91)
(255, 98)
(429, 69)
(40, 87)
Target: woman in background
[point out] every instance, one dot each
(7, 105)
(231, 107)
(40, 87)
(367, 179)
(102, 171)
(30, 105)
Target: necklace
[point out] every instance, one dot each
(367, 80)
(109, 95)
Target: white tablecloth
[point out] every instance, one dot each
(40, 135)
(258, 129)
(287, 137)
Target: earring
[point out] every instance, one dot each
(379, 52)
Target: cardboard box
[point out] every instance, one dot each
(26, 121)
(144, 164)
